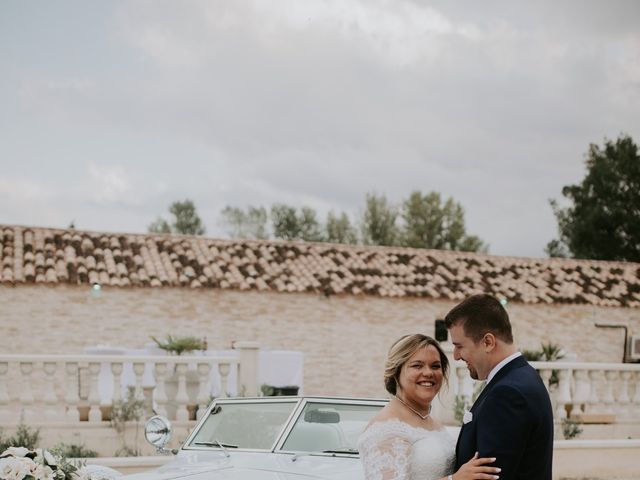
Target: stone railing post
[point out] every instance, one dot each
(4, 393)
(204, 368)
(182, 398)
(248, 368)
(95, 415)
(26, 397)
(224, 369)
(50, 398)
(71, 397)
(160, 394)
(443, 407)
(563, 394)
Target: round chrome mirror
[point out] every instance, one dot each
(157, 431)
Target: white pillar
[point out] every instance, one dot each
(248, 368)
(95, 415)
(203, 392)
(4, 392)
(182, 413)
(71, 397)
(50, 398)
(223, 370)
(26, 396)
(160, 393)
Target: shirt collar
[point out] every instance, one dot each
(497, 368)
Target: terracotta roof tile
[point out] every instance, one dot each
(49, 256)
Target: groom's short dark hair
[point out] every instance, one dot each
(481, 314)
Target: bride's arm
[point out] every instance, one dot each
(386, 459)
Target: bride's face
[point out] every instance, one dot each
(421, 376)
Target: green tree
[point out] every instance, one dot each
(430, 223)
(378, 225)
(285, 222)
(603, 218)
(186, 220)
(289, 224)
(339, 229)
(251, 223)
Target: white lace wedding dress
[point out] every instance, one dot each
(395, 450)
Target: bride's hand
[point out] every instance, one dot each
(477, 469)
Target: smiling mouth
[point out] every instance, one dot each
(427, 384)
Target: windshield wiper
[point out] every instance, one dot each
(352, 451)
(216, 443)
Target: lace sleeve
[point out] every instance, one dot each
(385, 457)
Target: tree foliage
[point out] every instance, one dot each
(378, 225)
(603, 220)
(289, 224)
(430, 223)
(251, 224)
(186, 220)
(339, 229)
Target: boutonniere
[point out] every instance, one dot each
(467, 417)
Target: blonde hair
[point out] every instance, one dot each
(400, 353)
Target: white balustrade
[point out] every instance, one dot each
(28, 384)
(608, 392)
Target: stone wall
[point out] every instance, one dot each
(344, 338)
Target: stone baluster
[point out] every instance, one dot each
(95, 415)
(248, 369)
(563, 394)
(71, 397)
(608, 398)
(581, 392)
(26, 396)
(593, 404)
(4, 393)
(138, 370)
(223, 370)
(182, 398)
(204, 368)
(50, 398)
(160, 391)
(116, 371)
(624, 400)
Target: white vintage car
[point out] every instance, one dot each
(283, 438)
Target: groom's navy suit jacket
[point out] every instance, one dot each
(512, 421)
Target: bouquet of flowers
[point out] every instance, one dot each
(20, 463)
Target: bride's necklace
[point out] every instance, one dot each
(423, 417)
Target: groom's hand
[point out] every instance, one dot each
(477, 469)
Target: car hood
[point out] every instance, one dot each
(253, 466)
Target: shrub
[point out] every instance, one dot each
(72, 450)
(179, 345)
(24, 436)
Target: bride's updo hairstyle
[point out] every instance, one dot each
(400, 353)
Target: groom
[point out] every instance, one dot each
(512, 418)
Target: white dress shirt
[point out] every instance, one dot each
(497, 368)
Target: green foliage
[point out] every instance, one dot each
(127, 451)
(24, 436)
(570, 429)
(179, 345)
(129, 409)
(160, 225)
(430, 223)
(186, 220)
(603, 220)
(378, 225)
(72, 450)
(462, 403)
(532, 355)
(289, 224)
(251, 224)
(339, 229)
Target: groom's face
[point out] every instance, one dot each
(474, 354)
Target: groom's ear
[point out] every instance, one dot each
(489, 342)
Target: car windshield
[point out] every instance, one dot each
(243, 425)
(329, 427)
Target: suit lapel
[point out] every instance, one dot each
(512, 365)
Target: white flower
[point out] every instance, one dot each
(45, 457)
(467, 417)
(15, 452)
(16, 468)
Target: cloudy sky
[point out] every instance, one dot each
(109, 111)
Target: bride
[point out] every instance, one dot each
(403, 442)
